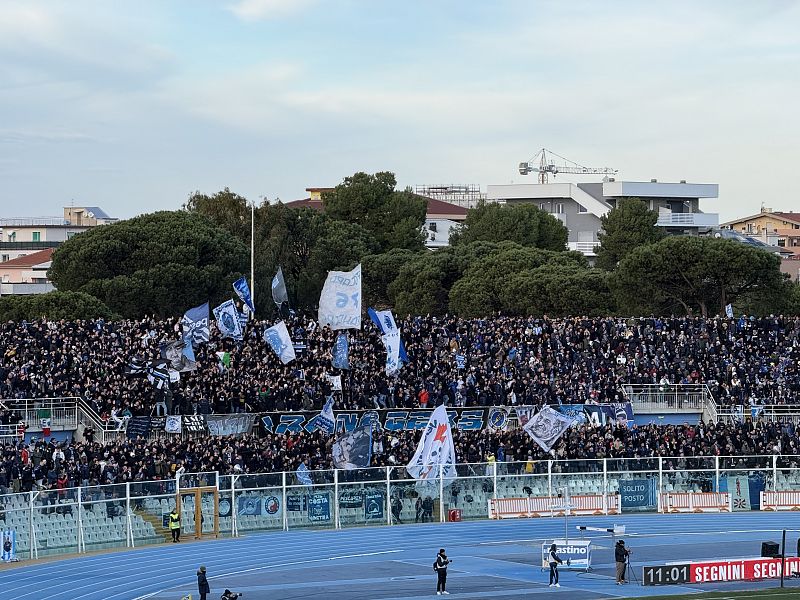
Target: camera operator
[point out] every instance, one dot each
(553, 560)
(229, 595)
(621, 554)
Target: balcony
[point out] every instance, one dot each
(586, 248)
(668, 218)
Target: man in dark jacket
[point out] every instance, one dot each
(553, 560)
(440, 566)
(621, 558)
(202, 583)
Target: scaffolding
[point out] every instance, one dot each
(464, 195)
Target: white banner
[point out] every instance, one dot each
(335, 381)
(435, 448)
(173, 424)
(278, 339)
(228, 320)
(392, 343)
(546, 427)
(340, 301)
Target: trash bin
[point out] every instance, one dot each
(454, 515)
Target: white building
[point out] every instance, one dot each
(579, 206)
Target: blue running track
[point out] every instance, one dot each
(492, 559)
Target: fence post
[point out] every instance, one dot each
(660, 475)
(128, 520)
(549, 478)
(283, 499)
(716, 473)
(234, 512)
(336, 523)
(605, 486)
(33, 551)
(775, 472)
(441, 493)
(494, 481)
(389, 495)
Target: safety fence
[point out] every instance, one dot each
(96, 517)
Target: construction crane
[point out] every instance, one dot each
(545, 168)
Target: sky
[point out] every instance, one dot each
(132, 106)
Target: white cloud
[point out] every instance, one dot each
(259, 10)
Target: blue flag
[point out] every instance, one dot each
(304, 475)
(341, 352)
(353, 450)
(243, 291)
(384, 320)
(326, 421)
(195, 324)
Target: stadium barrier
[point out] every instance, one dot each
(780, 500)
(695, 502)
(553, 506)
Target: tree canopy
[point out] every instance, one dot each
(159, 263)
(394, 218)
(56, 305)
(524, 224)
(625, 227)
(694, 274)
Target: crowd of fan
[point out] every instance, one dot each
(508, 361)
(49, 465)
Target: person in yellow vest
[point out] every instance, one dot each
(175, 525)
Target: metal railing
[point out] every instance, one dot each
(769, 412)
(682, 398)
(97, 517)
(62, 413)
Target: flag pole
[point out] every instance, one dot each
(252, 253)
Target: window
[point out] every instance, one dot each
(782, 243)
(432, 226)
(36, 236)
(71, 234)
(559, 209)
(4, 258)
(542, 206)
(581, 208)
(12, 237)
(749, 228)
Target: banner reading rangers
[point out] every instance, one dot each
(340, 301)
(546, 427)
(435, 448)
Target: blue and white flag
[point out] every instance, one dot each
(179, 355)
(9, 545)
(304, 475)
(158, 375)
(353, 450)
(228, 320)
(279, 293)
(340, 301)
(384, 320)
(729, 311)
(243, 318)
(278, 339)
(435, 450)
(461, 362)
(341, 352)
(195, 324)
(326, 421)
(547, 426)
(243, 291)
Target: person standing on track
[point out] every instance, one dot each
(202, 583)
(440, 566)
(553, 560)
(175, 525)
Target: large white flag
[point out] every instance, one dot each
(278, 339)
(547, 426)
(228, 320)
(340, 301)
(435, 448)
(392, 343)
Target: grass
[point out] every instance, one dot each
(743, 595)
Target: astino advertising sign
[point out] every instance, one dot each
(577, 552)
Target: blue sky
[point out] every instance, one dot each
(133, 105)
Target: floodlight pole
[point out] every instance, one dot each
(252, 254)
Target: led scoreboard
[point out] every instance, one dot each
(666, 575)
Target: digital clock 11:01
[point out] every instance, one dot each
(665, 575)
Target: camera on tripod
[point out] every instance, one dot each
(229, 595)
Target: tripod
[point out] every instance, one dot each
(630, 571)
